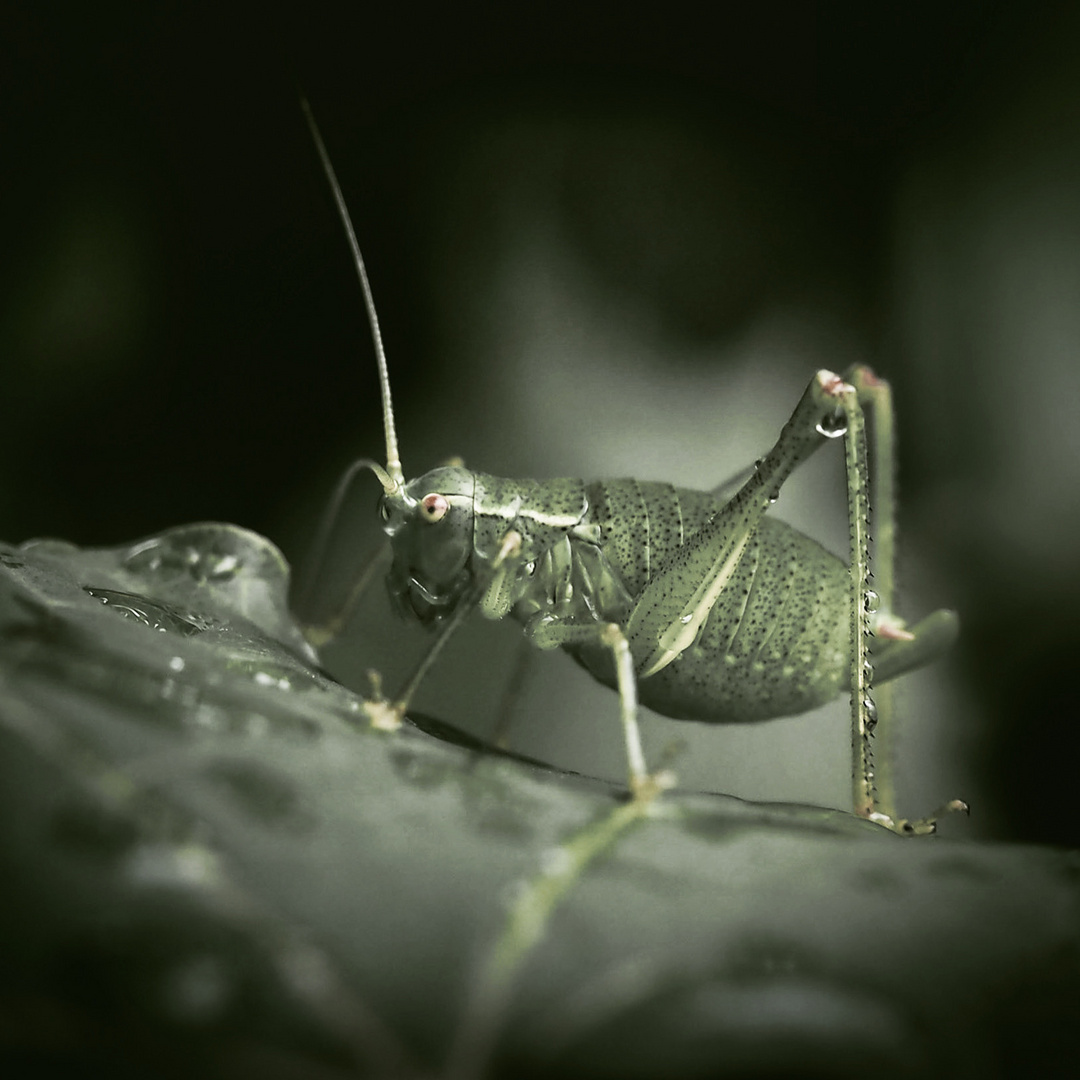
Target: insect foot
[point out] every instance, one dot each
(384, 715)
(649, 786)
(926, 826)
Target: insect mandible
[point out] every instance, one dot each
(695, 604)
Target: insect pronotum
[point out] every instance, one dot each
(700, 607)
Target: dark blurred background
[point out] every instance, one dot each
(601, 243)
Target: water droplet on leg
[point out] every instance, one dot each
(832, 425)
(871, 713)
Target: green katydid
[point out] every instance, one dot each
(696, 605)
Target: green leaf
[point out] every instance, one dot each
(214, 866)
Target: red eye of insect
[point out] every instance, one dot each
(434, 507)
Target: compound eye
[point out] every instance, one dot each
(433, 507)
(384, 510)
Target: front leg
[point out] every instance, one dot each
(388, 715)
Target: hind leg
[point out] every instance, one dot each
(895, 649)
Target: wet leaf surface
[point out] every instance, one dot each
(212, 864)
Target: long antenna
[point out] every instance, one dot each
(395, 478)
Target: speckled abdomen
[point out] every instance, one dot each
(776, 643)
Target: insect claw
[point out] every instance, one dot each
(926, 826)
(383, 715)
(649, 786)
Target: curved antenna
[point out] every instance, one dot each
(320, 633)
(393, 478)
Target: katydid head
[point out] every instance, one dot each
(430, 524)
